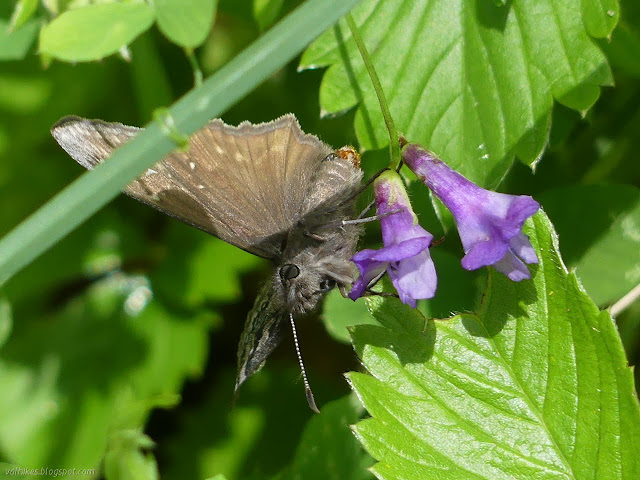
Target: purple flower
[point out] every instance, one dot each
(489, 223)
(405, 255)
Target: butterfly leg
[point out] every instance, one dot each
(366, 209)
(341, 224)
(369, 219)
(343, 290)
(314, 236)
(371, 293)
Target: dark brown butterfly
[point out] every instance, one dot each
(269, 189)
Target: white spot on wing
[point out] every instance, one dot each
(192, 165)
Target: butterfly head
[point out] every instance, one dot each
(303, 281)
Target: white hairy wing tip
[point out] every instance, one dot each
(287, 120)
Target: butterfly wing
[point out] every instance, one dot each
(261, 334)
(245, 184)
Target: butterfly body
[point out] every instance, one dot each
(269, 189)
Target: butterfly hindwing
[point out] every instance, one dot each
(261, 334)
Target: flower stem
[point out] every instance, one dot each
(625, 302)
(394, 144)
(197, 73)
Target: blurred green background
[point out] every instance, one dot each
(126, 331)
(134, 308)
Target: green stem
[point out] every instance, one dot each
(394, 144)
(195, 66)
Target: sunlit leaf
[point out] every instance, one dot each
(128, 458)
(266, 11)
(186, 22)
(22, 12)
(95, 31)
(472, 80)
(14, 45)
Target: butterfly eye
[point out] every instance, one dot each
(327, 284)
(289, 271)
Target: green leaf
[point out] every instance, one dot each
(251, 441)
(472, 80)
(534, 385)
(23, 94)
(599, 230)
(230, 83)
(339, 313)
(266, 11)
(204, 270)
(458, 290)
(185, 22)
(5, 321)
(600, 16)
(95, 31)
(71, 380)
(22, 12)
(14, 45)
(328, 449)
(125, 459)
(622, 50)
(99, 247)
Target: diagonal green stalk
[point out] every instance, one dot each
(92, 190)
(394, 144)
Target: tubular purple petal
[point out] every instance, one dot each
(414, 278)
(489, 223)
(369, 269)
(405, 254)
(484, 253)
(512, 267)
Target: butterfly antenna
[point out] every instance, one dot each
(307, 389)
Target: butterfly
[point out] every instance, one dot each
(269, 189)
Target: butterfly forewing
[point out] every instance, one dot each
(245, 184)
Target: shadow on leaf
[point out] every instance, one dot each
(404, 331)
